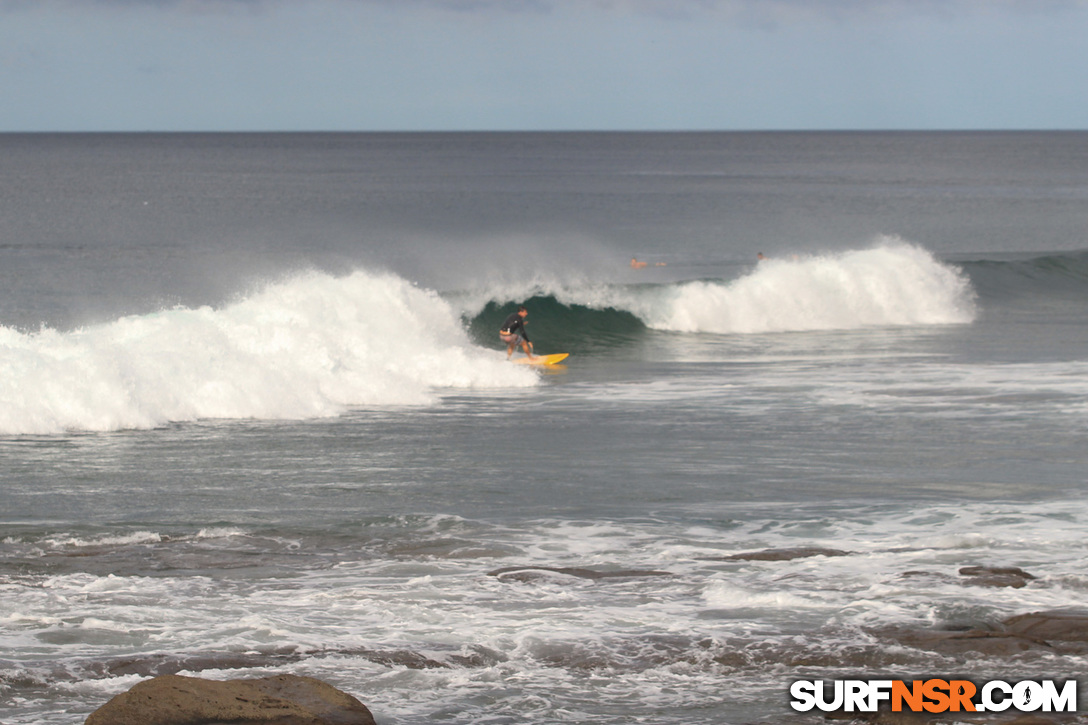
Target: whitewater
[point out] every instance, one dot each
(891, 283)
(306, 347)
(315, 345)
(256, 419)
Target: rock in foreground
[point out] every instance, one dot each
(278, 700)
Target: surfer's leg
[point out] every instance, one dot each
(511, 342)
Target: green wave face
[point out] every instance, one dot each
(1053, 280)
(560, 327)
(891, 286)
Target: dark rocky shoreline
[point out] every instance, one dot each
(170, 699)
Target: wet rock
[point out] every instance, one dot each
(400, 658)
(995, 576)
(1060, 625)
(278, 700)
(933, 576)
(1059, 632)
(800, 552)
(990, 643)
(478, 656)
(157, 664)
(153, 665)
(536, 573)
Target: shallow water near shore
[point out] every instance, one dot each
(262, 423)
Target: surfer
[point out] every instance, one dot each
(635, 264)
(513, 331)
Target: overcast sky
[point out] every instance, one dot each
(376, 65)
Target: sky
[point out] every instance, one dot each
(513, 65)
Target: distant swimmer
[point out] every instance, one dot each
(635, 264)
(513, 331)
(760, 256)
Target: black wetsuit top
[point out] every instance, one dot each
(515, 325)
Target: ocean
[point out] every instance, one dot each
(255, 417)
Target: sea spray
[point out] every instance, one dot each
(891, 284)
(306, 347)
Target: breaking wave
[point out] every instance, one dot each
(891, 284)
(311, 346)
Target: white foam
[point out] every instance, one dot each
(902, 569)
(310, 346)
(136, 537)
(724, 595)
(893, 283)
(982, 389)
(222, 532)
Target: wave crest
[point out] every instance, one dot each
(310, 346)
(893, 284)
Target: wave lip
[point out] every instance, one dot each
(894, 283)
(310, 346)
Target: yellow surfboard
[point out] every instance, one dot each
(541, 359)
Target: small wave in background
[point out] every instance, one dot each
(1051, 283)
